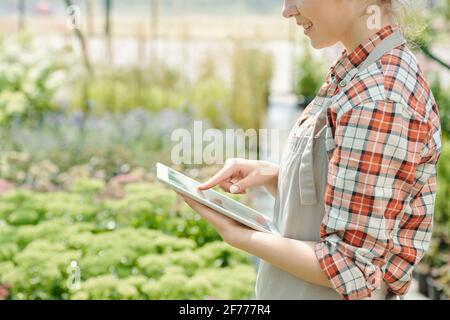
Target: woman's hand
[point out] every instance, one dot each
(293, 256)
(239, 174)
(230, 230)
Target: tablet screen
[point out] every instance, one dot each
(220, 200)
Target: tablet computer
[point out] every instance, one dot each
(215, 200)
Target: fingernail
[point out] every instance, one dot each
(234, 189)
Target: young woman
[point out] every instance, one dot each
(355, 190)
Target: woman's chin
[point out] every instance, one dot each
(319, 43)
(316, 44)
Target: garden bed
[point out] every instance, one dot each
(79, 244)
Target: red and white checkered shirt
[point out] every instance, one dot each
(381, 187)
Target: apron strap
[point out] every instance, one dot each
(393, 41)
(308, 192)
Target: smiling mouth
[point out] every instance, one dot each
(306, 26)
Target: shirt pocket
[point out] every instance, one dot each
(300, 139)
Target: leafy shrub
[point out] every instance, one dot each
(211, 100)
(106, 287)
(110, 144)
(309, 74)
(88, 186)
(30, 76)
(121, 90)
(252, 71)
(210, 97)
(442, 97)
(23, 216)
(442, 206)
(121, 250)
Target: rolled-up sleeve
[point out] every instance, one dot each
(371, 174)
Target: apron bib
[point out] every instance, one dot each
(299, 205)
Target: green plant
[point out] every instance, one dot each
(309, 73)
(442, 98)
(252, 71)
(121, 90)
(145, 245)
(88, 186)
(210, 99)
(30, 77)
(442, 206)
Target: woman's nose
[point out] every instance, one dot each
(289, 11)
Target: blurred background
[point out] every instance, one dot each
(90, 93)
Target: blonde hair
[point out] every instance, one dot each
(408, 15)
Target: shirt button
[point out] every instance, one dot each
(343, 83)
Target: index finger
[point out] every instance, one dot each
(220, 176)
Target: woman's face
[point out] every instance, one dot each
(326, 22)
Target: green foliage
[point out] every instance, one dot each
(242, 103)
(210, 97)
(442, 207)
(23, 217)
(107, 147)
(153, 266)
(211, 100)
(309, 74)
(252, 71)
(39, 271)
(30, 76)
(148, 205)
(107, 287)
(445, 9)
(124, 122)
(88, 186)
(442, 98)
(219, 254)
(143, 246)
(120, 90)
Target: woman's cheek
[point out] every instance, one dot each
(308, 8)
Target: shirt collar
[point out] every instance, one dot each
(346, 62)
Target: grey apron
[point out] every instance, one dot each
(299, 205)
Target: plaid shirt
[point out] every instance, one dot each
(384, 142)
